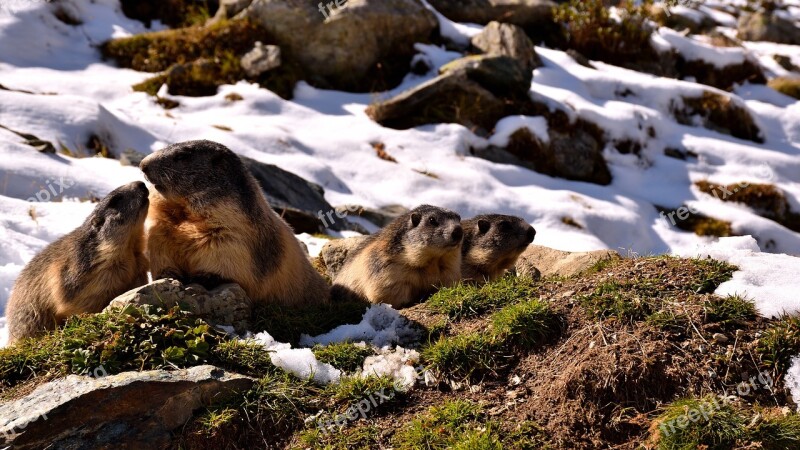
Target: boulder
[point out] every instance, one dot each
(575, 154)
(334, 253)
(548, 262)
(261, 59)
(502, 39)
(225, 305)
(524, 13)
(294, 198)
(380, 217)
(764, 26)
(344, 47)
(131, 410)
(475, 91)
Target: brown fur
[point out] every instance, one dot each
(406, 261)
(492, 245)
(84, 270)
(224, 232)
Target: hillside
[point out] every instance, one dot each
(668, 132)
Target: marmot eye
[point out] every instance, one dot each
(433, 221)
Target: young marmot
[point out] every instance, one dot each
(492, 244)
(406, 261)
(209, 223)
(86, 269)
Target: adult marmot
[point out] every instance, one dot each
(406, 261)
(492, 244)
(209, 222)
(86, 269)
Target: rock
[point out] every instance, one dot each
(39, 144)
(227, 304)
(131, 410)
(550, 262)
(724, 78)
(334, 253)
(501, 75)
(502, 39)
(786, 85)
(475, 91)
(130, 157)
(575, 155)
(718, 112)
(763, 26)
(720, 338)
(299, 201)
(261, 59)
(343, 48)
(524, 13)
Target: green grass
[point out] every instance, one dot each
(465, 300)
(461, 424)
(355, 388)
(516, 327)
(345, 356)
(778, 433)
(730, 311)
(359, 437)
(700, 423)
(780, 343)
(711, 274)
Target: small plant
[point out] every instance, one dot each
(467, 300)
(780, 343)
(732, 310)
(344, 356)
(778, 431)
(708, 423)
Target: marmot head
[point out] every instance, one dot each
(199, 173)
(489, 239)
(429, 230)
(121, 213)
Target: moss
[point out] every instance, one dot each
(765, 199)
(787, 86)
(719, 113)
(345, 356)
(116, 341)
(590, 29)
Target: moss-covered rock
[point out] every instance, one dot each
(720, 113)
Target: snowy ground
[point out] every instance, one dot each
(325, 136)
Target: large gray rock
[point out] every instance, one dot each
(548, 262)
(334, 253)
(475, 91)
(294, 198)
(519, 12)
(574, 154)
(381, 216)
(763, 26)
(131, 410)
(342, 46)
(227, 304)
(502, 39)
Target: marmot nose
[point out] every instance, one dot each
(531, 234)
(458, 233)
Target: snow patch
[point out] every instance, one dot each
(298, 361)
(381, 326)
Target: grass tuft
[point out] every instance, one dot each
(707, 423)
(345, 356)
(780, 343)
(466, 300)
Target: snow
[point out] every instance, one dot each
(298, 361)
(398, 364)
(381, 326)
(325, 136)
(792, 380)
(770, 280)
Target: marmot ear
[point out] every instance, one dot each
(98, 221)
(416, 218)
(483, 226)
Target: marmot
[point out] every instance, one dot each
(406, 261)
(210, 223)
(492, 245)
(86, 269)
